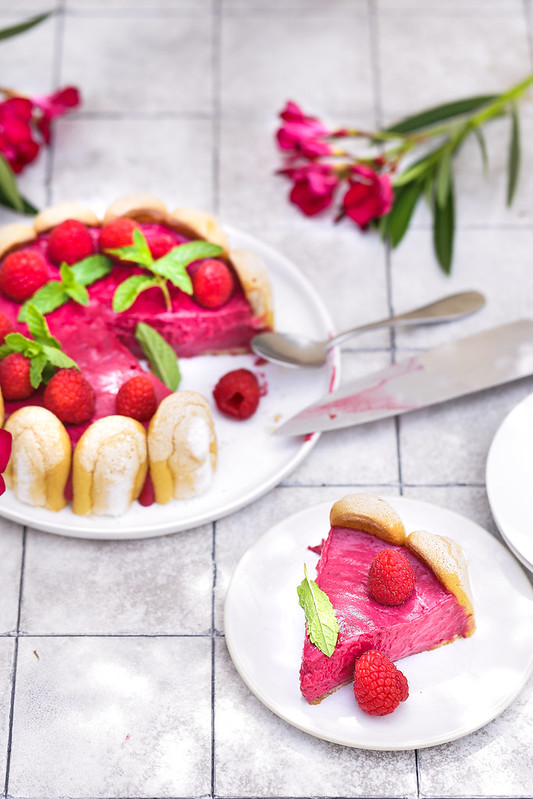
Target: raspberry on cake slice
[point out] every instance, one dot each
(436, 611)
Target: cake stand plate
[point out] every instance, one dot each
(454, 689)
(251, 461)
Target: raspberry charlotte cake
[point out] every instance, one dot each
(81, 301)
(437, 611)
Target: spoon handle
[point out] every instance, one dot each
(444, 310)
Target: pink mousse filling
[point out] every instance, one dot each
(431, 616)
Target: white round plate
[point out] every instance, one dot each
(251, 460)
(454, 689)
(509, 479)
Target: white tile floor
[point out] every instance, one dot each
(115, 680)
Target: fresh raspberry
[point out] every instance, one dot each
(15, 377)
(237, 394)
(69, 243)
(391, 578)
(70, 396)
(5, 327)
(116, 234)
(159, 243)
(136, 398)
(212, 283)
(379, 686)
(22, 273)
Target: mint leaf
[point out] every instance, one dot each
(160, 355)
(58, 358)
(46, 299)
(322, 625)
(78, 293)
(37, 365)
(91, 269)
(128, 291)
(139, 251)
(38, 327)
(173, 264)
(19, 343)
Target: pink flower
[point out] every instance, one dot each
(370, 196)
(54, 105)
(5, 453)
(314, 187)
(25, 124)
(302, 134)
(16, 136)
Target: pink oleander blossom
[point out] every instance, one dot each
(313, 188)
(302, 134)
(5, 454)
(369, 196)
(25, 124)
(54, 105)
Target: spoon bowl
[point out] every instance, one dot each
(292, 349)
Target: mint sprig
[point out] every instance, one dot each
(71, 286)
(172, 268)
(43, 350)
(160, 355)
(322, 625)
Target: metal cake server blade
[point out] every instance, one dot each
(481, 361)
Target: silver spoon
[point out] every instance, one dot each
(290, 349)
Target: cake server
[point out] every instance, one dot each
(481, 361)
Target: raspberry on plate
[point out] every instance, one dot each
(70, 396)
(391, 578)
(212, 283)
(15, 377)
(136, 398)
(379, 686)
(237, 394)
(116, 234)
(22, 273)
(69, 243)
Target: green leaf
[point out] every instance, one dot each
(9, 187)
(46, 299)
(38, 327)
(443, 176)
(418, 169)
(397, 221)
(514, 156)
(439, 113)
(322, 625)
(444, 229)
(173, 265)
(91, 269)
(478, 133)
(58, 358)
(19, 343)
(37, 365)
(128, 291)
(78, 293)
(27, 207)
(139, 251)
(14, 30)
(160, 355)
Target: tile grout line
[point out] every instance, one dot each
(15, 663)
(213, 657)
(56, 76)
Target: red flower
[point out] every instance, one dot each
(21, 119)
(314, 187)
(54, 105)
(302, 134)
(16, 138)
(5, 453)
(370, 196)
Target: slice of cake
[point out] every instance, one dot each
(438, 610)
